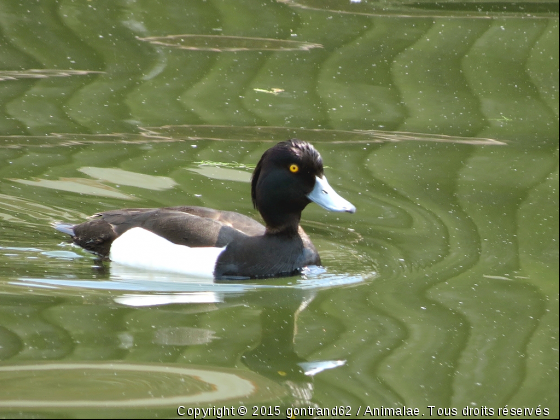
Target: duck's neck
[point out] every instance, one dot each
(282, 224)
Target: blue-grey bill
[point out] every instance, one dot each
(324, 195)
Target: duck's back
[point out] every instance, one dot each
(183, 225)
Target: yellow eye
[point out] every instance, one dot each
(294, 168)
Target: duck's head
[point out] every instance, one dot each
(287, 178)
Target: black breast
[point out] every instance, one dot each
(265, 256)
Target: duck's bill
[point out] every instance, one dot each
(324, 195)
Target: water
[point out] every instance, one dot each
(438, 121)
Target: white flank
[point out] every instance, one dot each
(143, 249)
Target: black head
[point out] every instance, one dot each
(282, 181)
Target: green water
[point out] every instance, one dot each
(438, 121)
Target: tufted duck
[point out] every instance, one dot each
(204, 242)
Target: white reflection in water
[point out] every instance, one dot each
(133, 179)
(39, 385)
(77, 185)
(183, 336)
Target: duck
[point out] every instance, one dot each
(204, 242)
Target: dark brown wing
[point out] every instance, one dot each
(227, 218)
(191, 226)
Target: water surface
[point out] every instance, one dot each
(438, 121)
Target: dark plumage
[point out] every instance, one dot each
(285, 180)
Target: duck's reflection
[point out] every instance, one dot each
(173, 322)
(274, 356)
